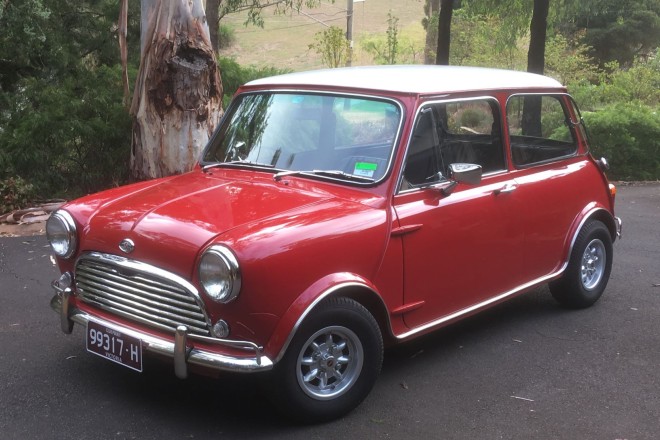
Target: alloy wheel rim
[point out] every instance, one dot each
(593, 264)
(329, 363)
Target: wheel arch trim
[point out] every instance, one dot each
(591, 212)
(356, 288)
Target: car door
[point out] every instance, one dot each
(552, 180)
(462, 248)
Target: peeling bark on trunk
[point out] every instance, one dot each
(178, 94)
(123, 49)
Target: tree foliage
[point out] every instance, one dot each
(514, 18)
(63, 127)
(64, 131)
(616, 30)
(73, 135)
(639, 83)
(218, 9)
(570, 61)
(255, 8)
(473, 40)
(617, 84)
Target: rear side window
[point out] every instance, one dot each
(540, 129)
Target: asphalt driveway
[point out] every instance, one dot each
(526, 369)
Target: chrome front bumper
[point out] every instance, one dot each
(182, 350)
(619, 226)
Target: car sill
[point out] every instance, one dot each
(477, 307)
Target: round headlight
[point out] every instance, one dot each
(219, 274)
(61, 234)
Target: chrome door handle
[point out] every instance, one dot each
(509, 187)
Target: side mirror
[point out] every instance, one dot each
(463, 173)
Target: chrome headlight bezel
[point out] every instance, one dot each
(219, 274)
(61, 233)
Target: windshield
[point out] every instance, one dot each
(339, 137)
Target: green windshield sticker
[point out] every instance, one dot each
(366, 166)
(365, 169)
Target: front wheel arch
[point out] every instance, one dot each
(330, 365)
(355, 289)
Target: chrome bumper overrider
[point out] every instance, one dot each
(619, 226)
(182, 350)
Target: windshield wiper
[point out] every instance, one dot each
(238, 163)
(330, 173)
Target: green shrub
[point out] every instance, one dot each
(641, 83)
(234, 75)
(628, 135)
(15, 193)
(332, 45)
(67, 137)
(472, 117)
(226, 36)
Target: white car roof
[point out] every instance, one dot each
(416, 79)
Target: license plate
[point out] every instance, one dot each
(114, 345)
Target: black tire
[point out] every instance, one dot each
(588, 269)
(331, 364)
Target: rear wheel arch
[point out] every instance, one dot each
(588, 268)
(594, 214)
(608, 220)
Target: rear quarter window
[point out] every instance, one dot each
(539, 129)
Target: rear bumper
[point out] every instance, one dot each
(182, 350)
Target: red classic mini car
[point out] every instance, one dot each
(336, 212)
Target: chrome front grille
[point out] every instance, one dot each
(139, 292)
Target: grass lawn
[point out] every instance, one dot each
(284, 41)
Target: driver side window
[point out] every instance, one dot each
(467, 131)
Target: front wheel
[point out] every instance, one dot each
(588, 269)
(331, 365)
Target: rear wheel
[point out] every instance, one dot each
(331, 365)
(588, 269)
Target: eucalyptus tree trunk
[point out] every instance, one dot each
(531, 119)
(177, 100)
(537, 34)
(431, 9)
(213, 18)
(444, 32)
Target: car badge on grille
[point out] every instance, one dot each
(126, 245)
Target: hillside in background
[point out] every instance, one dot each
(284, 40)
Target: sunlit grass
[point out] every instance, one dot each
(284, 41)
